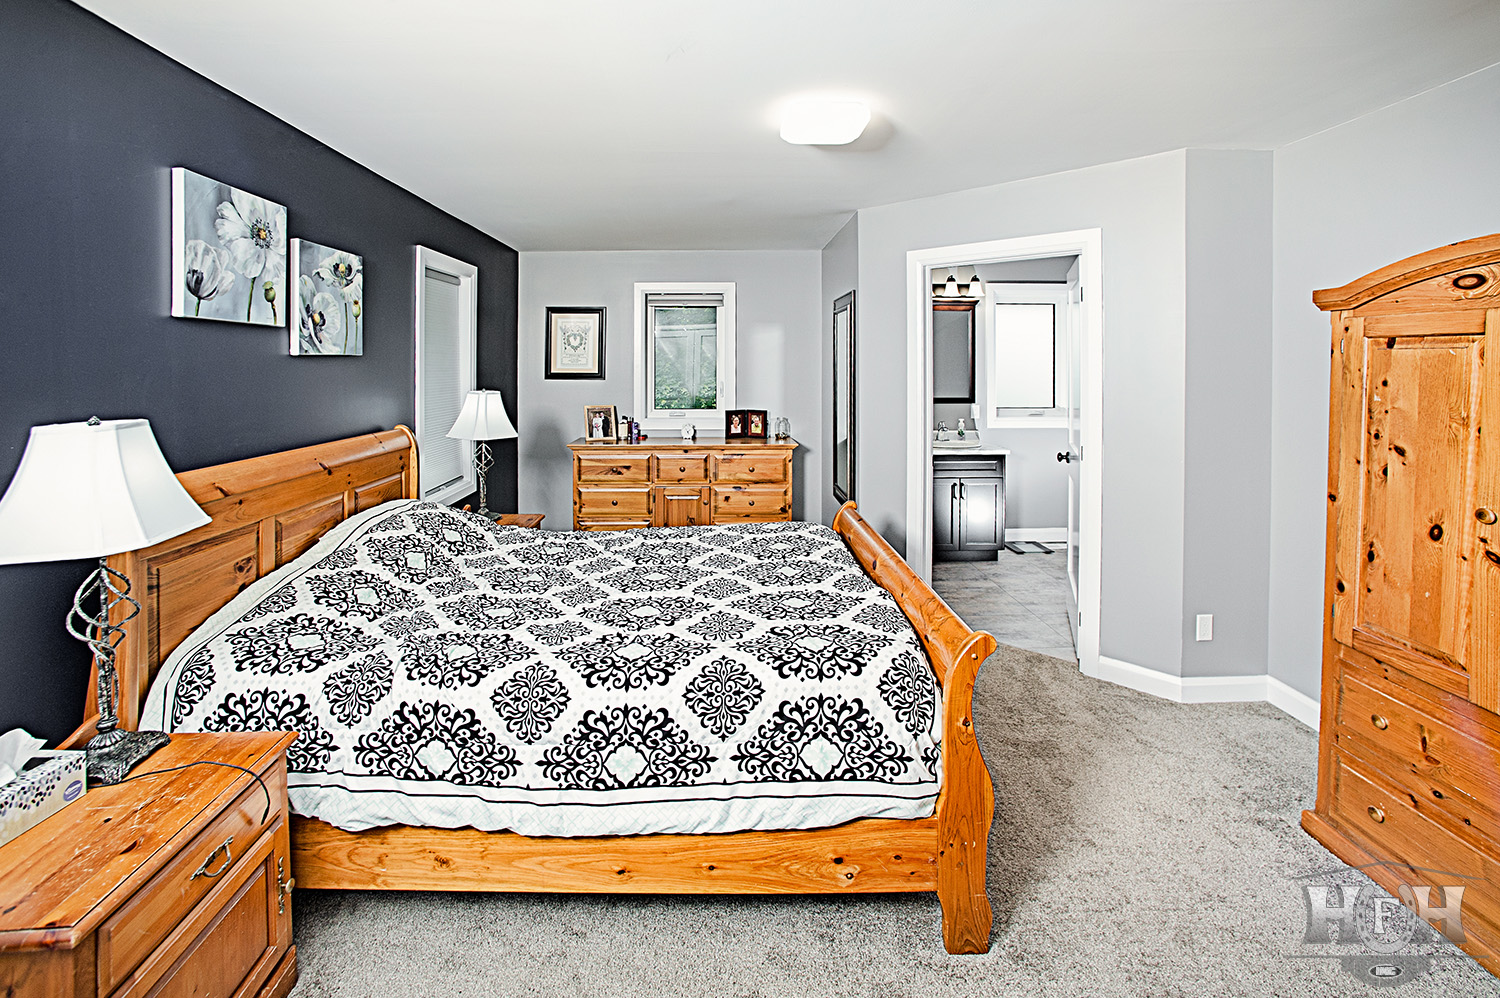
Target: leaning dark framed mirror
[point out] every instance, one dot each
(843, 398)
(953, 352)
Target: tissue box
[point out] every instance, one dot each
(39, 791)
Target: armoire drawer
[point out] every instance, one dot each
(1379, 813)
(1446, 761)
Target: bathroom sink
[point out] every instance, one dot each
(956, 444)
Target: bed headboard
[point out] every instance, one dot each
(266, 511)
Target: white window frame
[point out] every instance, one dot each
(1055, 295)
(708, 420)
(468, 303)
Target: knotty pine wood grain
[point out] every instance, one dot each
(49, 899)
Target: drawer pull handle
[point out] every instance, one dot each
(752, 502)
(284, 885)
(1376, 814)
(204, 871)
(1484, 515)
(1379, 721)
(614, 502)
(752, 471)
(683, 468)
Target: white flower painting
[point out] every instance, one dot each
(228, 252)
(328, 316)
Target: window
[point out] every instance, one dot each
(1025, 364)
(684, 354)
(447, 308)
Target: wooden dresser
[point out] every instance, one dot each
(169, 885)
(671, 482)
(1409, 747)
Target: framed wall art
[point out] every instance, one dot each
(327, 317)
(575, 343)
(229, 258)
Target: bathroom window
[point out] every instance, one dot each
(1026, 337)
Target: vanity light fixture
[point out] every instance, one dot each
(950, 290)
(975, 288)
(822, 122)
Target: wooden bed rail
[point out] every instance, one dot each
(966, 803)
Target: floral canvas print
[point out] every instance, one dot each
(228, 252)
(328, 313)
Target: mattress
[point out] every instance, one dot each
(444, 671)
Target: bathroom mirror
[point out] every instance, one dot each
(953, 352)
(843, 398)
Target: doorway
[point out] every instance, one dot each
(1082, 333)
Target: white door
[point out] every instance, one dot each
(1072, 457)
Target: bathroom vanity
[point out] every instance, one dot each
(968, 502)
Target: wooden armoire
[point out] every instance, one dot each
(1409, 747)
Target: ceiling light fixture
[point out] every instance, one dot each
(815, 122)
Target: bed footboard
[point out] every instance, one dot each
(966, 802)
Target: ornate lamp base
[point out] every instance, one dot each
(112, 755)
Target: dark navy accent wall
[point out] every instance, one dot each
(91, 121)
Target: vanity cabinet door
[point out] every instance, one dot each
(983, 503)
(946, 515)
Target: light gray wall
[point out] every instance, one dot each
(1396, 182)
(840, 263)
(1227, 505)
(1139, 205)
(777, 295)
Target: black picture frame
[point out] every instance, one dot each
(842, 423)
(736, 424)
(562, 360)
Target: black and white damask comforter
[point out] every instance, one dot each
(446, 672)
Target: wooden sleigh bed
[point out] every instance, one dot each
(268, 510)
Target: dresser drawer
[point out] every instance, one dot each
(1379, 813)
(613, 468)
(1447, 760)
(127, 937)
(751, 503)
(603, 524)
(670, 468)
(230, 944)
(614, 504)
(768, 467)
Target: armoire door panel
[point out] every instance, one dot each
(1417, 490)
(1484, 623)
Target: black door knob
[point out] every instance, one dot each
(1065, 456)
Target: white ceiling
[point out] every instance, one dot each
(651, 124)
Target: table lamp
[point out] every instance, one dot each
(483, 419)
(90, 490)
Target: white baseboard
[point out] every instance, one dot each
(1045, 535)
(1211, 689)
(1296, 703)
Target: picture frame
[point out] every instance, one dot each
(229, 253)
(736, 424)
(755, 423)
(326, 314)
(599, 423)
(575, 344)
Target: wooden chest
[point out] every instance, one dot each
(1409, 745)
(177, 884)
(670, 482)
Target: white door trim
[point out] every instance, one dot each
(1088, 245)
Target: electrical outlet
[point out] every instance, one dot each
(1205, 627)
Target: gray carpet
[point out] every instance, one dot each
(1140, 847)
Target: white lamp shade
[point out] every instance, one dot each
(87, 491)
(483, 418)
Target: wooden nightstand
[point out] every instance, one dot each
(532, 520)
(171, 884)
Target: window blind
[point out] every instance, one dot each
(444, 459)
(684, 300)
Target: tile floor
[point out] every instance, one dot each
(1021, 599)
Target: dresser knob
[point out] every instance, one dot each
(1376, 814)
(1484, 515)
(752, 502)
(683, 468)
(614, 502)
(1379, 721)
